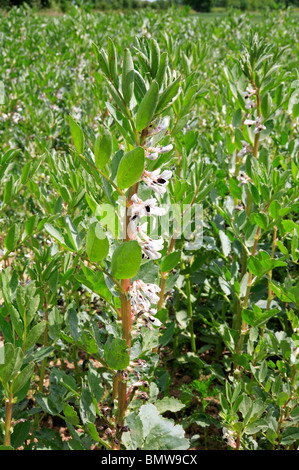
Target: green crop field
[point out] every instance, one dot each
(149, 201)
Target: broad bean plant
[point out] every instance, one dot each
(149, 213)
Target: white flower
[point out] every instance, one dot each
(258, 126)
(248, 93)
(249, 122)
(250, 104)
(140, 289)
(59, 94)
(245, 149)
(228, 436)
(153, 152)
(150, 248)
(16, 117)
(77, 113)
(156, 181)
(162, 127)
(140, 208)
(142, 296)
(243, 178)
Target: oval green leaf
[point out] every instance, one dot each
(147, 107)
(128, 77)
(126, 260)
(103, 148)
(77, 135)
(97, 244)
(130, 168)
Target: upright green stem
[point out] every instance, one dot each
(249, 203)
(246, 298)
(7, 423)
(126, 318)
(43, 367)
(270, 293)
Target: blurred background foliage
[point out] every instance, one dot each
(196, 5)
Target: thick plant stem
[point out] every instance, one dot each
(162, 290)
(115, 388)
(126, 314)
(43, 367)
(7, 423)
(239, 324)
(246, 298)
(126, 318)
(270, 293)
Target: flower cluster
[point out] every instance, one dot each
(229, 437)
(150, 248)
(248, 94)
(245, 149)
(243, 178)
(156, 180)
(143, 295)
(139, 208)
(257, 123)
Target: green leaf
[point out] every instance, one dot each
(71, 415)
(73, 234)
(160, 433)
(266, 105)
(22, 378)
(168, 95)
(35, 333)
(77, 135)
(161, 73)
(170, 261)
(260, 219)
(130, 168)
(169, 404)
(20, 433)
(289, 436)
(8, 190)
(97, 244)
(58, 236)
(11, 240)
(154, 57)
(102, 59)
(13, 362)
(116, 353)
(95, 384)
(103, 148)
(128, 77)
(225, 242)
(31, 224)
(250, 235)
(87, 407)
(263, 371)
(112, 60)
(282, 398)
(16, 321)
(147, 107)
(126, 260)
